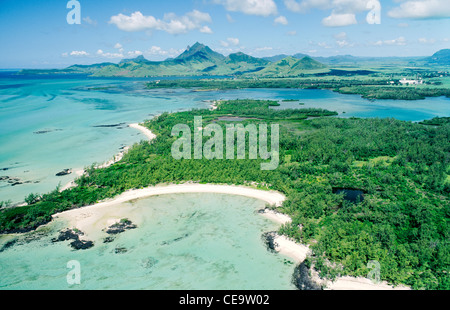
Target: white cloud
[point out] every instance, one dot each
(79, 53)
(341, 35)
(90, 21)
(339, 20)
(118, 46)
(101, 53)
(230, 19)
(206, 29)
(400, 41)
(250, 7)
(426, 41)
(264, 48)
(343, 12)
(230, 42)
(134, 54)
(171, 23)
(342, 6)
(342, 43)
(421, 9)
(291, 33)
(282, 20)
(320, 44)
(305, 5)
(158, 51)
(342, 40)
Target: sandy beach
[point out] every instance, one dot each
(93, 219)
(147, 132)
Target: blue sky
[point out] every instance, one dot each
(36, 34)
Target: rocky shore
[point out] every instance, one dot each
(74, 234)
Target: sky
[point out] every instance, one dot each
(45, 34)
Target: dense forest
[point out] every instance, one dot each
(401, 167)
(369, 88)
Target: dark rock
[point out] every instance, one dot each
(120, 250)
(269, 240)
(120, 227)
(64, 172)
(108, 239)
(67, 234)
(302, 280)
(74, 235)
(109, 126)
(8, 244)
(81, 244)
(175, 240)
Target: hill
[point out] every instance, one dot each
(441, 57)
(200, 60)
(291, 66)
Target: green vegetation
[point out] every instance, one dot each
(394, 92)
(402, 167)
(437, 121)
(369, 88)
(290, 66)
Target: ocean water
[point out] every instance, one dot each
(49, 124)
(183, 241)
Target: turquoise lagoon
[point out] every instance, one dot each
(183, 241)
(51, 124)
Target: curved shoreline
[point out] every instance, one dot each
(84, 218)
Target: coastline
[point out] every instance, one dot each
(91, 219)
(147, 132)
(85, 218)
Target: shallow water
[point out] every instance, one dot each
(183, 241)
(49, 124)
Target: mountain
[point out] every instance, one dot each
(138, 59)
(199, 52)
(276, 57)
(291, 66)
(199, 60)
(441, 57)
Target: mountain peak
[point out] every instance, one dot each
(199, 49)
(138, 59)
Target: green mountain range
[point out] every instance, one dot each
(199, 60)
(291, 66)
(194, 61)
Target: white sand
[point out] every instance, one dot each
(92, 219)
(278, 217)
(298, 252)
(147, 132)
(352, 283)
(87, 218)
